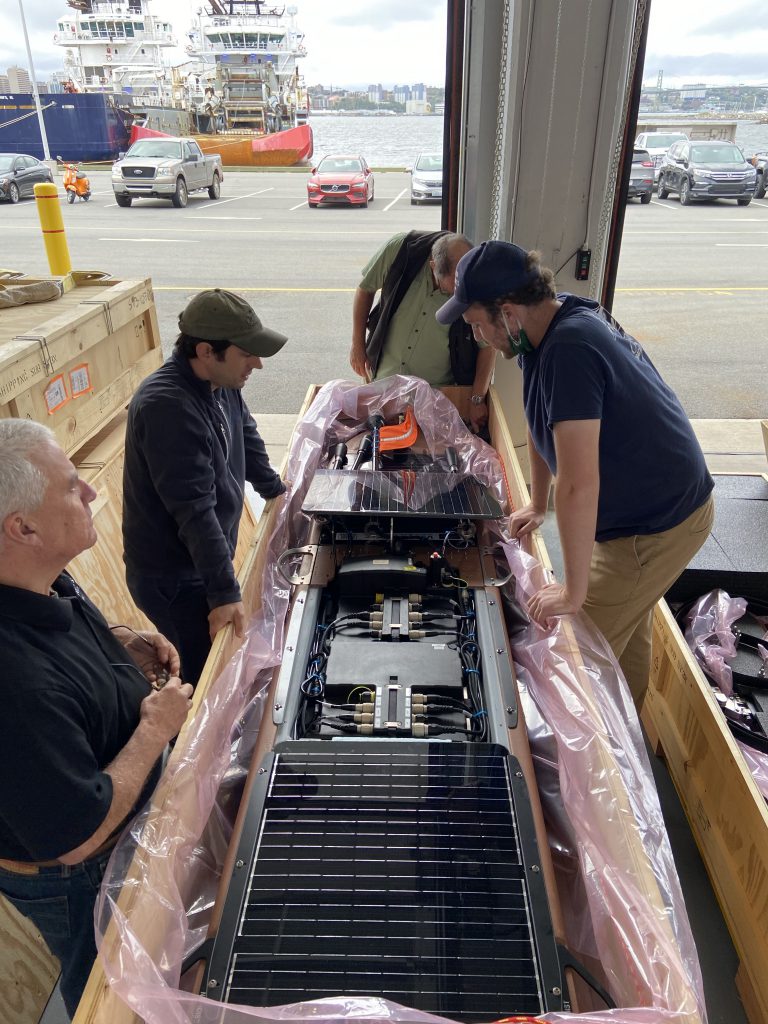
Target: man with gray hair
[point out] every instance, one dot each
(85, 720)
(415, 272)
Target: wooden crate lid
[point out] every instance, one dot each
(36, 340)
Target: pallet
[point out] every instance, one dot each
(725, 809)
(73, 363)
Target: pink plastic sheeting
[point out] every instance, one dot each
(637, 919)
(757, 762)
(710, 637)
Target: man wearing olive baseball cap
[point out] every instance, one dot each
(190, 446)
(633, 496)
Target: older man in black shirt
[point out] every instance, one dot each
(84, 723)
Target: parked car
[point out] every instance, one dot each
(340, 179)
(641, 176)
(165, 168)
(19, 174)
(707, 170)
(760, 162)
(427, 178)
(657, 144)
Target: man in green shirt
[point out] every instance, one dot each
(415, 272)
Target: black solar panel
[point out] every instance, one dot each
(396, 873)
(399, 492)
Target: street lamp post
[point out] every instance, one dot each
(43, 136)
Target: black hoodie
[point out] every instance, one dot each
(188, 452)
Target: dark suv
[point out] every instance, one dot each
(706, 170)
(760, 162)
(641, 176)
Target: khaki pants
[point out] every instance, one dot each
(626, 579)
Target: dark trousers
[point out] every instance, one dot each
(179, 610)
(59, 901)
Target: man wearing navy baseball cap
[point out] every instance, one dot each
(633, 497)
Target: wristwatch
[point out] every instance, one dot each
(477, 399)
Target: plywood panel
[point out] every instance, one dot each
(28, 972)
(725, 809)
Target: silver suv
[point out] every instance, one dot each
(657, 144)
(707, 170)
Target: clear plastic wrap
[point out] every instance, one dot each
(757, 762)
(709, 635)
(627, 909)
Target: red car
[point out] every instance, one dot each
(340, 179)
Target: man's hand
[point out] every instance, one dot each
(359, 363)
(478, 417)
(551, 601)
(225, 613)
(525, 520)
(165, 711)
(151, 651)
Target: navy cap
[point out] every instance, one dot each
(483, 274)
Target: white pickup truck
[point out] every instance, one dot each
(165, 168)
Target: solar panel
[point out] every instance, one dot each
(392, 870)
(402, 492)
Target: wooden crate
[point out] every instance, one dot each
(726, 811)
(74, 363)
(100, 1003)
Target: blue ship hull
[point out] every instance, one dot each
(80, 126)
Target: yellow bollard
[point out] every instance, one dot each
(52, 224)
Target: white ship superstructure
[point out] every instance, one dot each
(116, 47)
(243, 72)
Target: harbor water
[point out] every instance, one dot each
(396, 141)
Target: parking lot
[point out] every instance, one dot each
(692, 284)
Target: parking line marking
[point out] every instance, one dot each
(175, 241)
(228, 218)
(394, 201)
(741, 245)
(710, 289)
(248, 195)
(292, 208)
(239, 288)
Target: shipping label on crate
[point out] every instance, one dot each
(80, 380)
(56, 394)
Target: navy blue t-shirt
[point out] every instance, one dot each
(652, 470)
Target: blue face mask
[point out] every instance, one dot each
(519, 344)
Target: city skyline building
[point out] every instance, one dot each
(19, 80)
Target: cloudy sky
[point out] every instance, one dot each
(393, 41)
